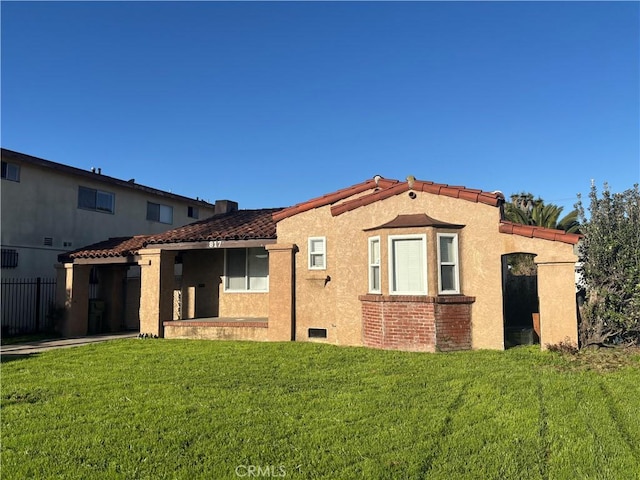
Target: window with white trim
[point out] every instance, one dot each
(11, 171)
(408, 264)
(246, 270)
(159, 213)
(374, 265)
(448, 270)
(96, 200)
(317, 253)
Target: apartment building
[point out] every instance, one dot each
(49, 208)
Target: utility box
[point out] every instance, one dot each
(96, 314)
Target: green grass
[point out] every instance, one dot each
(136, 409)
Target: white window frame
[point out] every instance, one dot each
(455, 264)
(247, 277)
(323, 253)
(373, 265)
(391, 241)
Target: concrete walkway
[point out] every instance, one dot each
(44, 345)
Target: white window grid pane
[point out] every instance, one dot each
(448, 279)
(316, 260)
(407, 265)
(317, 253)
(374, 265)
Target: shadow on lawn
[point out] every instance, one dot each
(9, 357)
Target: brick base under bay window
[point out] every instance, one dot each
(417, 323)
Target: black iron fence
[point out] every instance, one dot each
(28, 305)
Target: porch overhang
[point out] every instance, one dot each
(214, 244)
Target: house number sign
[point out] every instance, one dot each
(215, 243)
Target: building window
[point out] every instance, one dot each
(407, 264)
(192, 212)
(96, 200)
(9, 258)
(448, 276)
(246, 270)
(374, 265)
(317, 253)
(159, 213)
(11, 171)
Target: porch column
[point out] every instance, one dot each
(281, 292)
(112, 279)
(72, 293)
(156, 289)
(557, 297)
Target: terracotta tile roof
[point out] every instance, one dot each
(414, 220)
(331, 198)
(236, 225)
(113, 247)
(539, 232)
(472, 195)
(387, 188)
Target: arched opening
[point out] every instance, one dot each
(520, 299)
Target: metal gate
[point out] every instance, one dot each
(28, 305)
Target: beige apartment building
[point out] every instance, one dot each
(49, 208)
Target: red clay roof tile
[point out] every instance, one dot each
(473, 195)
(543, 233)
(332, 198)
(112, 247)
(236, 225)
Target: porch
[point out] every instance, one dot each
(219, 328)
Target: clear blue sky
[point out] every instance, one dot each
(271, 104)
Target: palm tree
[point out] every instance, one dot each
(536, 213)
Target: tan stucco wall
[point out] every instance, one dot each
(72, 293)
(335, 306)
(217, 333)
(235, 304)
(157, 284)
(45, 204)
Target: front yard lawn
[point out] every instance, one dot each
(136, 409)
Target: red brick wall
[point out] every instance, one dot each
(417, 323)
(453, 324)
(398, 322)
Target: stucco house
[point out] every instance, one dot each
(409, 265)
